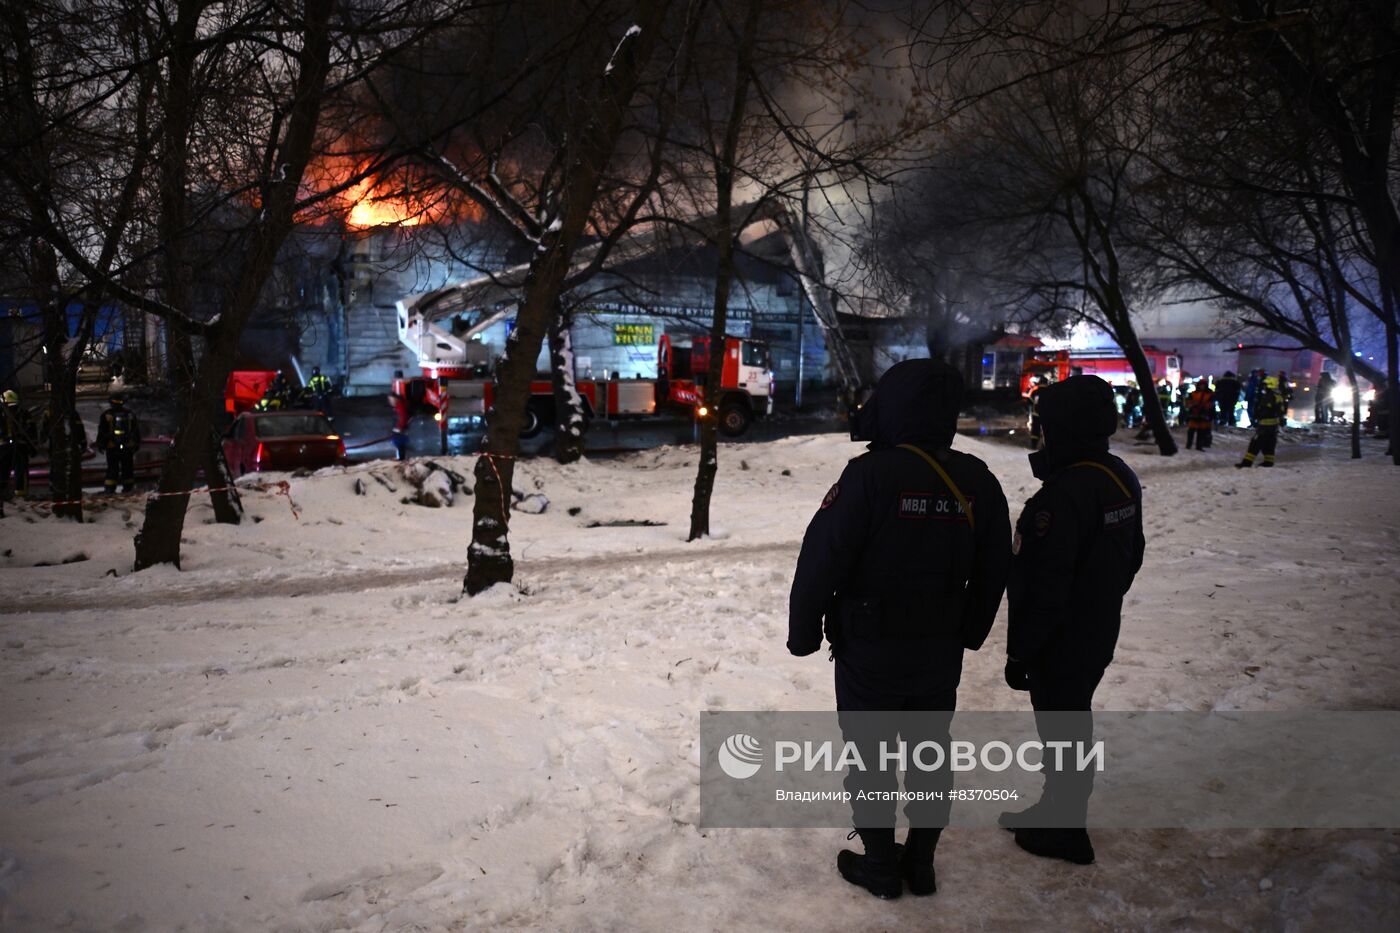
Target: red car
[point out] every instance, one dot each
(281, 440)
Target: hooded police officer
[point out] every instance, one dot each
(906, 560)
(1078, 545)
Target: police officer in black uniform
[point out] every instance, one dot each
(1078, 545)
(906, 560)
(119, 436)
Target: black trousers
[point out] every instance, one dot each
(1062, 702)
(121, 468)
(1265, 441)
(888, 718)
(1200, 437)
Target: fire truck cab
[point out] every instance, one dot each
(746, 380)
(1110, 365)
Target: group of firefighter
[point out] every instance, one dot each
(1201, 406)
(118, 438)
(281, 394)
(118, 432)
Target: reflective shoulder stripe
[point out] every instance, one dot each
(1112, 475)
(948, 480)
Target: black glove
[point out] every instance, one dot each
(801, 651)
(1017, 677)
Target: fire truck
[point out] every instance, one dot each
(1110, 365)
(442, 328)
(456, 384)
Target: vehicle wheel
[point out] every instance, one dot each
(734, 419)
(535, 419)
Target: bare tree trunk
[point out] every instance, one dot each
(183, 371)
(1355, 414)
(64, 429)
(228, 507)
(598, 125)
(1114, 306)
(570, 421)
(1151, 403)
(158, 542)
(725, 169)
(1392, 388)
(1341, 333)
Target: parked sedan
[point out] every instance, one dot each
(281, 440)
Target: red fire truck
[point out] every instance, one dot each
(244, 388)
(1110, 365)
(451, 392)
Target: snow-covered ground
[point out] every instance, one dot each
(306, 728)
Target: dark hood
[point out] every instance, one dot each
(915, 402)
(1078, 416)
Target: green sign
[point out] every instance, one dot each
(633, 335)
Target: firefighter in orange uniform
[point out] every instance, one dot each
(1200, 416)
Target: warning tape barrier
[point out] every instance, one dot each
(280, 488)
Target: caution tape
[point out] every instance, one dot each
(364, 444)
(280, 488)
(500, 484)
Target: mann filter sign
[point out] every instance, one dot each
(633, 335)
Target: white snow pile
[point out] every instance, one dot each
(308, 728)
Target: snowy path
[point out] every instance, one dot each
(304, 737)
(359, 580)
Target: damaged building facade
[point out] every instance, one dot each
(334, 299)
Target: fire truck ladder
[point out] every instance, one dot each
(499, 292)
(806, 261)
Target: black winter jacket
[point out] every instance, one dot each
(902, 578)
(1078, 546)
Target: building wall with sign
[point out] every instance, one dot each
(620, 316)
(674, 295)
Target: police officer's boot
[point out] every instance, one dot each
(878, 869)
(1034, 815)
(1070, 845)
(916, 863)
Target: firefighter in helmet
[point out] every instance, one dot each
(1200, 416)
(274, 397)
(318, 387)
(16, 445)
(119, 437)
(1164, 398)
(1040, 383)
(1268, 411)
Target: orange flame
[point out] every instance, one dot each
(400, 197)
(371, 210)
